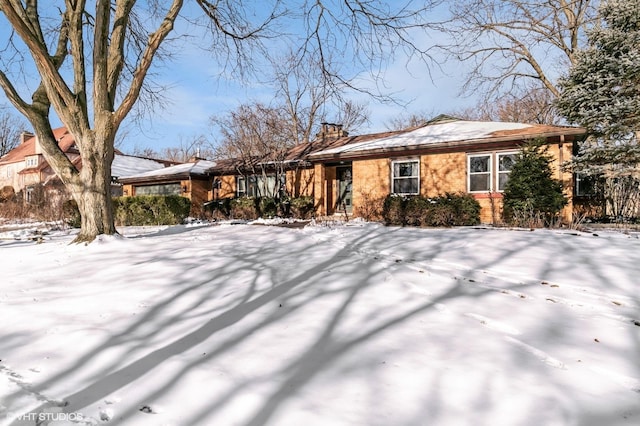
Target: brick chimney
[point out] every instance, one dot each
(331, 130)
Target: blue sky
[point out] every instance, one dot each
(196, 89)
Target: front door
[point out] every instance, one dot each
(344, 198)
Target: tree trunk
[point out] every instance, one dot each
(93, 193)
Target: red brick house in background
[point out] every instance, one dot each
(25, 169)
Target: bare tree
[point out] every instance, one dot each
(188, 149)
(531, 106)
(408, 120)
(93, 61)
(308, 97)
(509, 43)
(11, 127)
(258, 137)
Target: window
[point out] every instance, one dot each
(241, 186)
(479, 173)
(163, 189)
(585, 185)
(405, 178)
(505, 165)
(256, 186)
(31, 161)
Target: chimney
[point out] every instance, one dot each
(24, 136)
(331, 130)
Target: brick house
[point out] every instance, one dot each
(444, 155)
(25, 169)
(349, 174)
(191, 180)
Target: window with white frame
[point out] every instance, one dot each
(479, 176)
(31, 161)
(241, 186)
(506, 161)
(405, 177)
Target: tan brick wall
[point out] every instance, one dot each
(371, 184)
(227, 187)
(300, 182)
(199, 194)
(441, 173)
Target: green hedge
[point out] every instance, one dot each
(444, 210)
(151, 210)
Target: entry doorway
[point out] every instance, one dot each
(344, 197)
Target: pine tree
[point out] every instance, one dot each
(602, 91)
(532, 196)
(602, 94)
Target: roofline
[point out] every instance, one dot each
(439, 146)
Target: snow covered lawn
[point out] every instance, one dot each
(344, 325)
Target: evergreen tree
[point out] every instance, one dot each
(602, 94)
(531, 195)
(602, 90)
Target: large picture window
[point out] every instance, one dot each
(162, 189)
(405, 177)
(256, 186)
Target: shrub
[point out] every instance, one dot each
(446, 210)
(531, 195)
(71, 214)
(151, 210)
(243, 208)
(267, 207)
(219, 209)
(302, 207)
(416, 211)
(393, 210)
(7, 193)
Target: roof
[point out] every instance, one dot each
(298, 153)
(443, 133)
(128, 165)
(28, 147)
(179, 171)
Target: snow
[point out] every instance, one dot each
(355, 324)
(431, 134)
(127, 165)
(198, 167)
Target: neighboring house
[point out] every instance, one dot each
(446, 155)
(26, 170)
(191, 180)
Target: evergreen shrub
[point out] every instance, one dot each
(302, 207)
(151, 210)
(532, 197)
(243, 208)
(444, 210)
